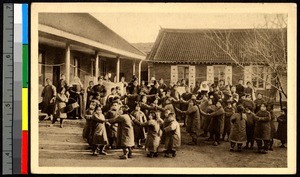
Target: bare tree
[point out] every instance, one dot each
(264, 45)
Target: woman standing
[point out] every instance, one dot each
(238, 131)
(76, 93)
(262, 130)
(49, 95)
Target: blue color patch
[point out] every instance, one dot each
(25, 23)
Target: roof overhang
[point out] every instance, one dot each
(92, 44)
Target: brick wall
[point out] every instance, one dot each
(161, 71)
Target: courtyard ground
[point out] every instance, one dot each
(65, 147)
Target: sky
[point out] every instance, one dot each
(144, 27)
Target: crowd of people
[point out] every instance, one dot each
(149, 115)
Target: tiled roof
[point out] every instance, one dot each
(87, 26)
(197, 46)
(145, 47)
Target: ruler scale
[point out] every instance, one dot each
(8, 74)
(15, 89)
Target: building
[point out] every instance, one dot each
(77, 44)
(192, 55)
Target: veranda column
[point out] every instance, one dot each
(67, 62)
(97, 66)
(118, 69)
(133, 67)
(140, 71)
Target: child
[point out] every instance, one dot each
(61, 100)
(112, 129)
(238, 131)
(126, 131)
(250, 124)
(99, 136)
(154, 134)
(139, 132)
(262, 129)
(216, 122)
(88, 126)
(270, 108)
(282, 127)
(173, 136)
(229, 111)
(193, 121)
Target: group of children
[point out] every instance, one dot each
(151, 113)
(118, 128)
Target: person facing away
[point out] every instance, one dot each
(193, 121)
(125, 124)
(250, 124)
(281, 133)
(238, 130)
(172, 135)
(154, 134)
(216, 122)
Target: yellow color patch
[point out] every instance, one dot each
(24, 108)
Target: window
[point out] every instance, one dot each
(219, 73)
(258, 75)
(183, 73)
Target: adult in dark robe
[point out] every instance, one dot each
(281, 133)
(258, 102)
(262, 130)
(133, 95)
(48, 95)
(249, 89)
(101, 89)
(63, 83)
(196, 88)
(162, 85)
(76, 94)
(186, 96)
(240, 89)
(90, 94)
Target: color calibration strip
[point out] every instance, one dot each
(20, 113)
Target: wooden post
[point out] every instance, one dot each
(67, 62)
(97, 66)
(133, 67)
(140, 71)
(118, 70)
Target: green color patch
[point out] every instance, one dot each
(25, 66)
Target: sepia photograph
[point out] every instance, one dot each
(166, 88)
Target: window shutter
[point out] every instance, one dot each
(192, 76)
(210, 74)
(228, 73)
(247, 74)
(174, 73)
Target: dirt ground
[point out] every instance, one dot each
(65, 147)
